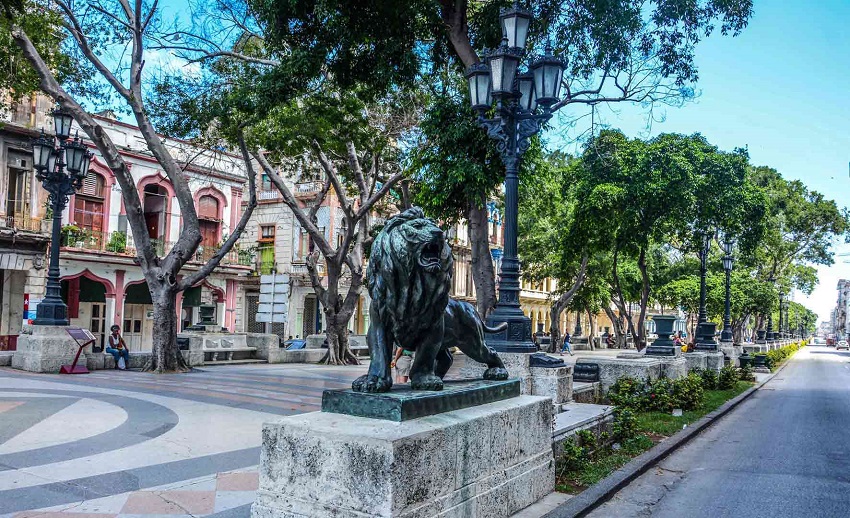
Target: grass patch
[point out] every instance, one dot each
(587, 464)
(666, 424)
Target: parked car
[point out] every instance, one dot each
(294, 345)
(842, 345)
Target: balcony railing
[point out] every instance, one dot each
(122, 244)
(20, 221)
(308, 188)
(273, 194)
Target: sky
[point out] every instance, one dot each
(780, 89)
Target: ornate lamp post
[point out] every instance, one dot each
(705, 329)
(523, 103)
(781, 315)
(726, 334)
(61, 170)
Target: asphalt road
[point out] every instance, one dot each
(784, 452)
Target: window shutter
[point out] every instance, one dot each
(93, 185)
(208, 208)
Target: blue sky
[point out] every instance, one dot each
(780, 89)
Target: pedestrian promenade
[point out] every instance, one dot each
(130, 444)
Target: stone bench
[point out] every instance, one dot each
(215, 347)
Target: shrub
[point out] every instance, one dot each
(688, 391)
(709, 378)
(659, 395)
(117, 242)
(746, 373)
(625, 424)
(587, 439)
(627, 392)
(575, 457)
(727, 378)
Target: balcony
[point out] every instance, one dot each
(20, 221)
(266, 196)
(308, 189)
(120, 243)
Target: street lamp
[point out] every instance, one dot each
(726, 335)
(705, 329)
(781, 313)
(523, 103)
(61, 170)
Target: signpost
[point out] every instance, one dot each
(274, 299)
(83, 337)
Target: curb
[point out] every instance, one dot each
(599, 493)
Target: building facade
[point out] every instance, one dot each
(102, 283)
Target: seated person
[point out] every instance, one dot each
(117, 348)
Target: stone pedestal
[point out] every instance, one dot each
(636, 365)
(704, 360)
(268, 346)
(555, 383)
(45, 350)
(732, 351)
(489, 460)
(581, 343)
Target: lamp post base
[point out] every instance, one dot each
(516, 338)
(705, 337)
(51, 311)
(47, 349)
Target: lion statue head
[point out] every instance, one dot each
(410, 272)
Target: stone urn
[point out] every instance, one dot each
(664, 329)
(745, 359)
(760, 334)
(760, 361)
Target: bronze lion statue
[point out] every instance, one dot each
(409, 274)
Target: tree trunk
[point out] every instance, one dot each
(617, 327)
(165, 356)
(339, 352)
(640, 336)
(555, 327)
(483, 274)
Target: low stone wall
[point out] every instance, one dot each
(316, 341)
(599, 420)
(138, 360)
(6, 358)
(635, 365)
(301, 356)
(586, 392)
(268, 346)
(488, 460)
(704, 360)
(555, 383)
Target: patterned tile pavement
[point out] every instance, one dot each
(129, 444)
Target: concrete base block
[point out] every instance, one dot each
(732, 351)
(301, 356)
(268, 346)
(612, 369)
(489, 460)
(45, 350)
(704, 360)
(555, 383)
(586, 392)
(677, 367)
(6, 358)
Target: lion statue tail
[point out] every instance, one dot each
(498, 328)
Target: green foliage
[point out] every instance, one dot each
(660, 396)
(574, 457)
(117, 242)
(625, 424)
(688, 391)
(628, 393)
(709, 378)
(727, 378)
(777, 356)
(746, 373)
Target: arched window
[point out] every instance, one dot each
(209, 223)
(88, 208)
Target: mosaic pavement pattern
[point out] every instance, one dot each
(129, 444)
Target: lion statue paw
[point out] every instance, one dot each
(427, 382)
(496, 374)
(370, 383)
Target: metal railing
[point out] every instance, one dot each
(308, 187)
(21, 221)
(268, 195)
(122, 244)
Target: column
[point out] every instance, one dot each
(230, 305)
(118, 304)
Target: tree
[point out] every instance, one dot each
(360, 179)
(86, 29)
(664, 190)
(629, 51)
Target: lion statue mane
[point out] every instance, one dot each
(409, 277)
